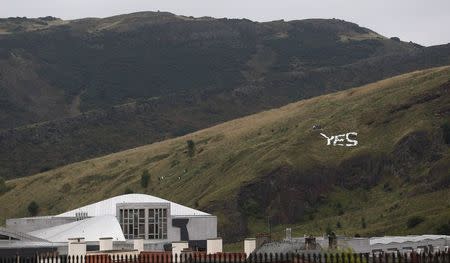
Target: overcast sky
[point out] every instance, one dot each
(422, 21)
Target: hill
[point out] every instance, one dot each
(275, 165)
(70, 89)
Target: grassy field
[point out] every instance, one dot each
(228, 161)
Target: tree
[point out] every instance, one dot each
(446, 132)
(328, 230)
(2, 185)
(363, 223)
(190, 148)
(145, 178)
(443, 229)
(128, 191)
(414, 221)
(33, 208)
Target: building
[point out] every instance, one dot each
(387, 244)
(421, 243)
(123, 218)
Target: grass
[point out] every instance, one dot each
(233, 155)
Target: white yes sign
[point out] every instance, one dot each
(342, 139)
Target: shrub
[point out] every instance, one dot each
(251, 207)
(338, 224)
(44, 169)
(66, 188)
(446, 132)
(328, 230)
(128, 191)
(387, 187)
(145, 178)
(2, 185)
(191, 148)
(363, 223)
(443, 229)
(33, 208)
(414, 221)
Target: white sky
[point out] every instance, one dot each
(426, 22)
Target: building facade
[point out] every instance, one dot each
(125, 217)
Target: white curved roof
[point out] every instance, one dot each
(402, 239)
(91, 229)
(108, 206)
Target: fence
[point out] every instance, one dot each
(439, 257)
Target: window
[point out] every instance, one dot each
(157, 223)
(132, 222)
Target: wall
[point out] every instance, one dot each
(202, 227)
(357, 244)
(249, 245)
(214, 246)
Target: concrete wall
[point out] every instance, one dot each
(202, 227)
(138, 244)
(105, 244)
(29, 224)
(357, 244)
(249, 245)
(177, 247)
(76, 249)
(214, 246)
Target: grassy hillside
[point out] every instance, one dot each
(136, 76)
(274, 165)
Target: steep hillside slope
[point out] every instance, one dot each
(275, 165)
(136, 76)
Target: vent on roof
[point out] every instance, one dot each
(81, 215)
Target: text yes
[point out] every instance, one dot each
(342, 139)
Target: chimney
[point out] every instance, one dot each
(214, 246)
(76, 247)
(138, 244)
(106, 243)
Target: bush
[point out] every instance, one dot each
(66, 188)
(443, 229)
(33, 208)
(2, 185)
(328, 230)
(387, 187)
(446, 132)
(363, 223)
(338, 224)
(191, 148)
(414, 221)
(128, 191)
(145, 178)
(44, 169)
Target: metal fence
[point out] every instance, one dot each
(439, 257)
